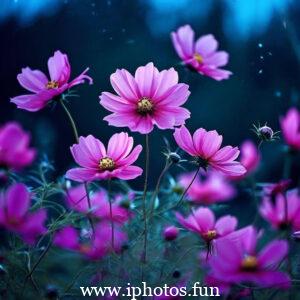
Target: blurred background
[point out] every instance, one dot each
(262, 38)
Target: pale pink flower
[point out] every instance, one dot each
(147, 99)
(250, 156)
(44, 89)
(14, 147)
(77, 200)
(98, 163)
(214, 188)
(201, 55)
(273, 210)
(15, 215)
(205, 146)
(202, 221)
(290, 126)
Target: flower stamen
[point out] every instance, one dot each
(106, 164)
(249, 263)
(52, 85)
(198, 58)
(210, 234)
(145, 106)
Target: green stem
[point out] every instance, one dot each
(145, 197)
(70, 119)
(75, 131)
(111, 215)
(163, 172)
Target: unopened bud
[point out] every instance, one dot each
(170, 233)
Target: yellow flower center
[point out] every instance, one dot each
(106, 164)
(52, 85)
(249, 263)
(145, 106)
(198, 58)
(210, 234)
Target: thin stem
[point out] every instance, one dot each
(163, 172)
(70, 119)
(111, 215)
(144, 198)
(75, 131)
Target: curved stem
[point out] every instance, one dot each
(145, 198)
(163, 172)
(75, 131)
(70, 119)
(111, 215)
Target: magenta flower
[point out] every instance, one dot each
(77, 200)
(93, 247)
(213, 189)
(97, 163)
(202, 221)
(290, 126)
(15, 215)
(14, 147)
(205, 147)
(147, 99)
(201, 55)
(250, 156)
(44, 89)
(237, 261)
(273, 210)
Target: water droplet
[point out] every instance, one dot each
(260, 71)
(261, 57)
(270, 53)
(260, 45)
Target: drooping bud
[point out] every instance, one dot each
(174, 157)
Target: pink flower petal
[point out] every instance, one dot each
(32, 80)
(206, 45)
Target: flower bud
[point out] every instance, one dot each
(174, 157)
(266, 133)
(170, 233)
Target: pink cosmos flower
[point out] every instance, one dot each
(201, 55)
(14, 147)
(15, 215)
(238, 261)
(77, 200)
(202, 221)
(44, 89)
(250, 156)
(274, 210)
(147, 99)
(98, 163)
(213, 189)
(94, 247)
(290, 126)
(205, 147)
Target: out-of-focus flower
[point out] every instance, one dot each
(77, 200)
(213, 189)
(205, 146)
(147, 99)
(237, 261)
(44, 89)
(170, 233)
(15, 215)
(14, 147)
(202, 221)
(94, 247)
(201, 55)
(250, 156)
(290, 126)
(97, 163)
(273, 210)
(273, 189)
